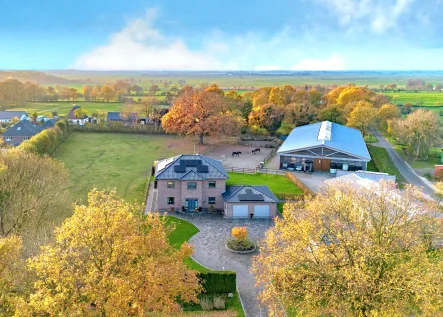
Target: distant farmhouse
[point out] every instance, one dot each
(72, 119)
(24, 130)
(118, 117)
(7, 116)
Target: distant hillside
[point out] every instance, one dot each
(34, 76)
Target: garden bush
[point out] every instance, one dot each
(216, 282)
(240, 245)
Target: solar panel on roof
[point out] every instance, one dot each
(202, 169)
(250, 196)
(179, 168)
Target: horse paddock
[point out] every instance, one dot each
(245, 160)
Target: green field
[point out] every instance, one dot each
(423, 98)
(383, 163)
(112, 160)
(278, 184)
(63, 107)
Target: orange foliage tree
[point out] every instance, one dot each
(201, 112)
(108, 260)
(240, 233)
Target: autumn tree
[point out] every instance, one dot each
(107, 92)
(153, 89)
(96, 93)
(215, 89)
(80, 113)
(33, 191)
(388, 112)
(363, 117)
(353, 252)
(12, 274)
(87, 92)
(297, 114)
(108, 260)
(266, 119)
(200, 112)
(419, 131)
(73, 93)
(332, 113)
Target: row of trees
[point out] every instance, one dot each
(275, 110)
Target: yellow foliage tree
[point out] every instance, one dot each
(108, 261)
(363, 117)
(240, 233)
(11, 273)
(353, 252)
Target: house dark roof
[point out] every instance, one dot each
(48, 124)
(117, 116)
(249, 193)
(22, 128)
(11, 114)
(190, 167)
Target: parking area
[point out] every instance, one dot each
(245, 160)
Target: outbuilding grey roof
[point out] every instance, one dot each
(117, 116)
(22, 128)
(375, 176)
(359, 178)
(9, 115)
(190, 167)
(329, 134)
(249, 193)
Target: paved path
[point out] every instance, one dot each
(210, 250)
(151, 201)
(408, 173)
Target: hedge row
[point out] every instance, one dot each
(217, 282)
(96, 128)
(47, 141)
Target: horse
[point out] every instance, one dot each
(236, 153)
(256, 150)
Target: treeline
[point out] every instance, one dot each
(14, 93)
(412, 84)
(277, 110)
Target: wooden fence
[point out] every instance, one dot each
(306, 190)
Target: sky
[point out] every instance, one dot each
(222, 35)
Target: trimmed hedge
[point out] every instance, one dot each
(217, 282)
(119, 128)
(47, 141)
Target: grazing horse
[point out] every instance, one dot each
(257, 150)
(236, 153)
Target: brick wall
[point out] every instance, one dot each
(181, 193)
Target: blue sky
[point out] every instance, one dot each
(222, 35)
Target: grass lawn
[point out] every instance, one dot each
(433, 159)
(184, 230)
(424, 98)
(278, 184)
(63, 107)
(112, 160)
(370, 138)
(383, 163)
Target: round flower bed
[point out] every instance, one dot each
(241, 246)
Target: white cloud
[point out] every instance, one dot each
(381, 15)
(140, 45)
(335, 62)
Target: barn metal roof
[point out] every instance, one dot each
(326, 133)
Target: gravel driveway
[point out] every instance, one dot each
(209, 250)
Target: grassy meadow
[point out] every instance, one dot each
(112, 160)
(424, 98)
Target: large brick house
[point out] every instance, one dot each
(193, 182)
(24, 130)
(8, 116)
(190, 181)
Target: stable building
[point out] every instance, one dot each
(324, 146)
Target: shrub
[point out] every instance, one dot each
(240, 245)
(216, 282)
(240, 233)
(219, 302)
(206, 303)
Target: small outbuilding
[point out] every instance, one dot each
(249, 202)
(324, 146)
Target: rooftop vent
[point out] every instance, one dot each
(325, 132)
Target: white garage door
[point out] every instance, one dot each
(240, 211)
(261, 211)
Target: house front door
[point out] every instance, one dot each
(191, 204)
